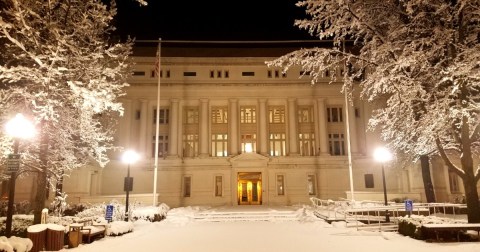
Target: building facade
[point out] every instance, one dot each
(233, 131)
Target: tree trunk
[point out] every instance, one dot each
(427, 179)
(471, 196)
(40, 195)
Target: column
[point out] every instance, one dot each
(233, 127)
(262, 119)
(292, 127)
(322, 126)
(204, 136)
(173, 130)
(142, 138)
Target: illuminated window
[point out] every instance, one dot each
(219, 145)
(219, 115)
(305, 114)
(277, 144)
(307, 144)
(280, 185)
(190, 145)
(277, 115)
(248, 143)
(248, 115)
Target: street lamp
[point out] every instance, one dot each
(128, 157)
(18, 128)
(383, 155)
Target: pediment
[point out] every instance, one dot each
(249, 159)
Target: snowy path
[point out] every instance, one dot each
(181, 234)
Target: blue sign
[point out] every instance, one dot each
(408, 205)
(109, 213)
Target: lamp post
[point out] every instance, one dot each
(383, 155)
(128, 157)
(18, 128)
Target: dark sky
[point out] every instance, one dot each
(210, 20)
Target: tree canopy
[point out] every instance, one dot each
(61, 69)
(420, 60)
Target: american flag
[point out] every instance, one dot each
(157, 61)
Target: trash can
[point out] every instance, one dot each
(74, 235)
(55, 237)
(38, 238)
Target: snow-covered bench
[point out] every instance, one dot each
(92, 230)
(453, 227)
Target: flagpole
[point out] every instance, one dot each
(347, 118)
(157, 121)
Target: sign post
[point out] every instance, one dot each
(409, 207)
(109, 213)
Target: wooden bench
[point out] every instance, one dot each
(453, 227)
(91, 230)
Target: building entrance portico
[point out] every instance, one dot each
(249, 190)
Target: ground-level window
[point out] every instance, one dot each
(369, 183)
(187, 186)
(218, 186)
(311, 184)
(280, 184)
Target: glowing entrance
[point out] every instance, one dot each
(249, 188)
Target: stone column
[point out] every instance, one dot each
(262, 119)
(322, 126)
(173, 130)
(204, 136)
(233, 126)
(292, 127)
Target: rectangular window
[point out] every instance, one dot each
(369, 183)
(336, 144)
(248, 73)
(189, 74)
(191, 115)
(307, 144)
(138, 73)
(280, 185)
(219, 145)
(269, 73)
(305, 114)
(212, 73)
(219, 115)
(248, 143)
(226, 74)
(277, 144)
(187, 186)
(137, 115)
(162, 146)
(218, 186)
(164, 114)
(248, 115)
(334, 114)
(276, 115)
(311, 184)
(190, 145)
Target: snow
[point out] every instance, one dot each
(180, 232)
(40, 227)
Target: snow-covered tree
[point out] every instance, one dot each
(420, 58)
(59, 67)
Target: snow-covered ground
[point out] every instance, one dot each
(179, 232)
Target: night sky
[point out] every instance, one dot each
(210, 20)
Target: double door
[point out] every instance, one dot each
(250, 188)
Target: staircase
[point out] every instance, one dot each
(249, 213)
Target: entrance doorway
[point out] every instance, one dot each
(249, 188)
